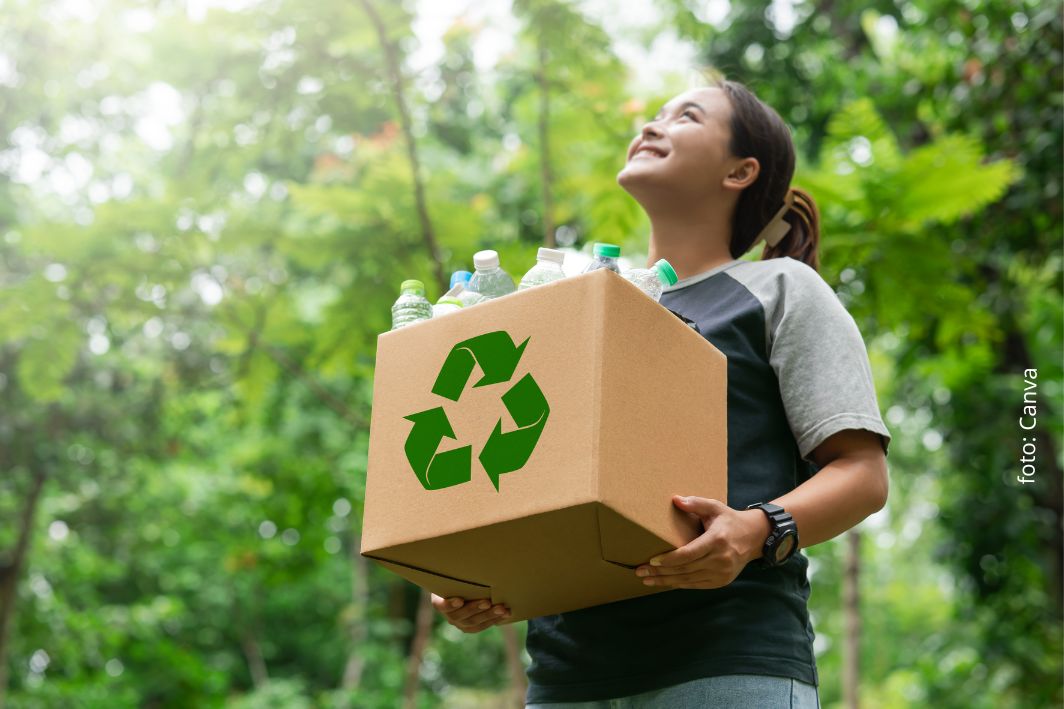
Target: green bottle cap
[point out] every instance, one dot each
(450, 299)
(610, 250)
(666, 272)
(413, 285)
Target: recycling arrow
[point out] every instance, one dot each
(496, 354)
(507, 452)
(498, 357)
(436, 470)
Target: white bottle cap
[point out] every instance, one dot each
(486, 260)
(545, 254)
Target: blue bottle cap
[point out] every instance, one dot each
(460, 276)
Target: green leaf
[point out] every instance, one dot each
(946, 180)
(45, 362)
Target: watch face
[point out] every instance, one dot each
(785, 547)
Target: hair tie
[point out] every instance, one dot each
(777, 227)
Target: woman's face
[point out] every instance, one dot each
(684, 149)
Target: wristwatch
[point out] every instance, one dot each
(782, 541)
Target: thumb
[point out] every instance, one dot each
(701, 506)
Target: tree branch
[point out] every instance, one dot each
(423, 630)
(851, 608)
(395, 76)
(360, 601)
(9, 580)
(518, 677)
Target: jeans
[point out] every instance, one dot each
(723, 692)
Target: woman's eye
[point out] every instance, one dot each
(689, 114)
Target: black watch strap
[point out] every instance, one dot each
(782, 527)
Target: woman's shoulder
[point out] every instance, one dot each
(780, 264)
(774, 276)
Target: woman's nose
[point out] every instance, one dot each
(651, 130)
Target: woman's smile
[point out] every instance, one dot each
(647, 153)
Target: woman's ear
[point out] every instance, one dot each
(743, 174)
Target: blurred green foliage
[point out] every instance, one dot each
(204, 215)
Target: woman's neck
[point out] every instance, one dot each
(692, 243)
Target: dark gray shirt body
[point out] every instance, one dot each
(798, 372)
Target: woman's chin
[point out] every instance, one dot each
(635, 180)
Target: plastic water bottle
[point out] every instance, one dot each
(652, 280)
(446, 304)
(460, 277)
(490, 280)
(412, 305)
(459, 281)
(606, 256)
(548, 269)
(469, 298)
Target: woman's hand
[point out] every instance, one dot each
(470, 616)
(731, 540)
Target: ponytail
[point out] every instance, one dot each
(802, 241)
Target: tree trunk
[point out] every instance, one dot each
(546, 179)
(851, 620)
(518, 678)
(360, 601)
(256, 663)
(395, 76)
(423, 630)
(10, 572)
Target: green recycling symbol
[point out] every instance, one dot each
(497, 356)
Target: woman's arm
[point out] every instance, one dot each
(850, 485)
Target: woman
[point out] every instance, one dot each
(713, 171)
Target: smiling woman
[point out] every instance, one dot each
(806, 443)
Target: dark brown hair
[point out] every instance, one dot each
(757, 131)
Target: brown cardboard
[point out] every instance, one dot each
(637, 413)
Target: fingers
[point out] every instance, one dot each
(698, 579)
(443, 605)
(654, 571)
(470, 616)
(483, 620)
(478, 612)
(675, 579)
(689, 553)
(701, 506)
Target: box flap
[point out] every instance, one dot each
(623, 542)
(510, 561)
(440, 584)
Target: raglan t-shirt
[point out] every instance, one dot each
(798, 372)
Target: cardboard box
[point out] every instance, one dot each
(527, 449)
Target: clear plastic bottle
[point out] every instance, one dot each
(460, 277)
(446, 304)
(548, 269)
(652, 280)
(469, 298)
(606, 256)
(459, 281)
(412, 306)
(490, 280)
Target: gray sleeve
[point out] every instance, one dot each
(821, 362)
(817, 352)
